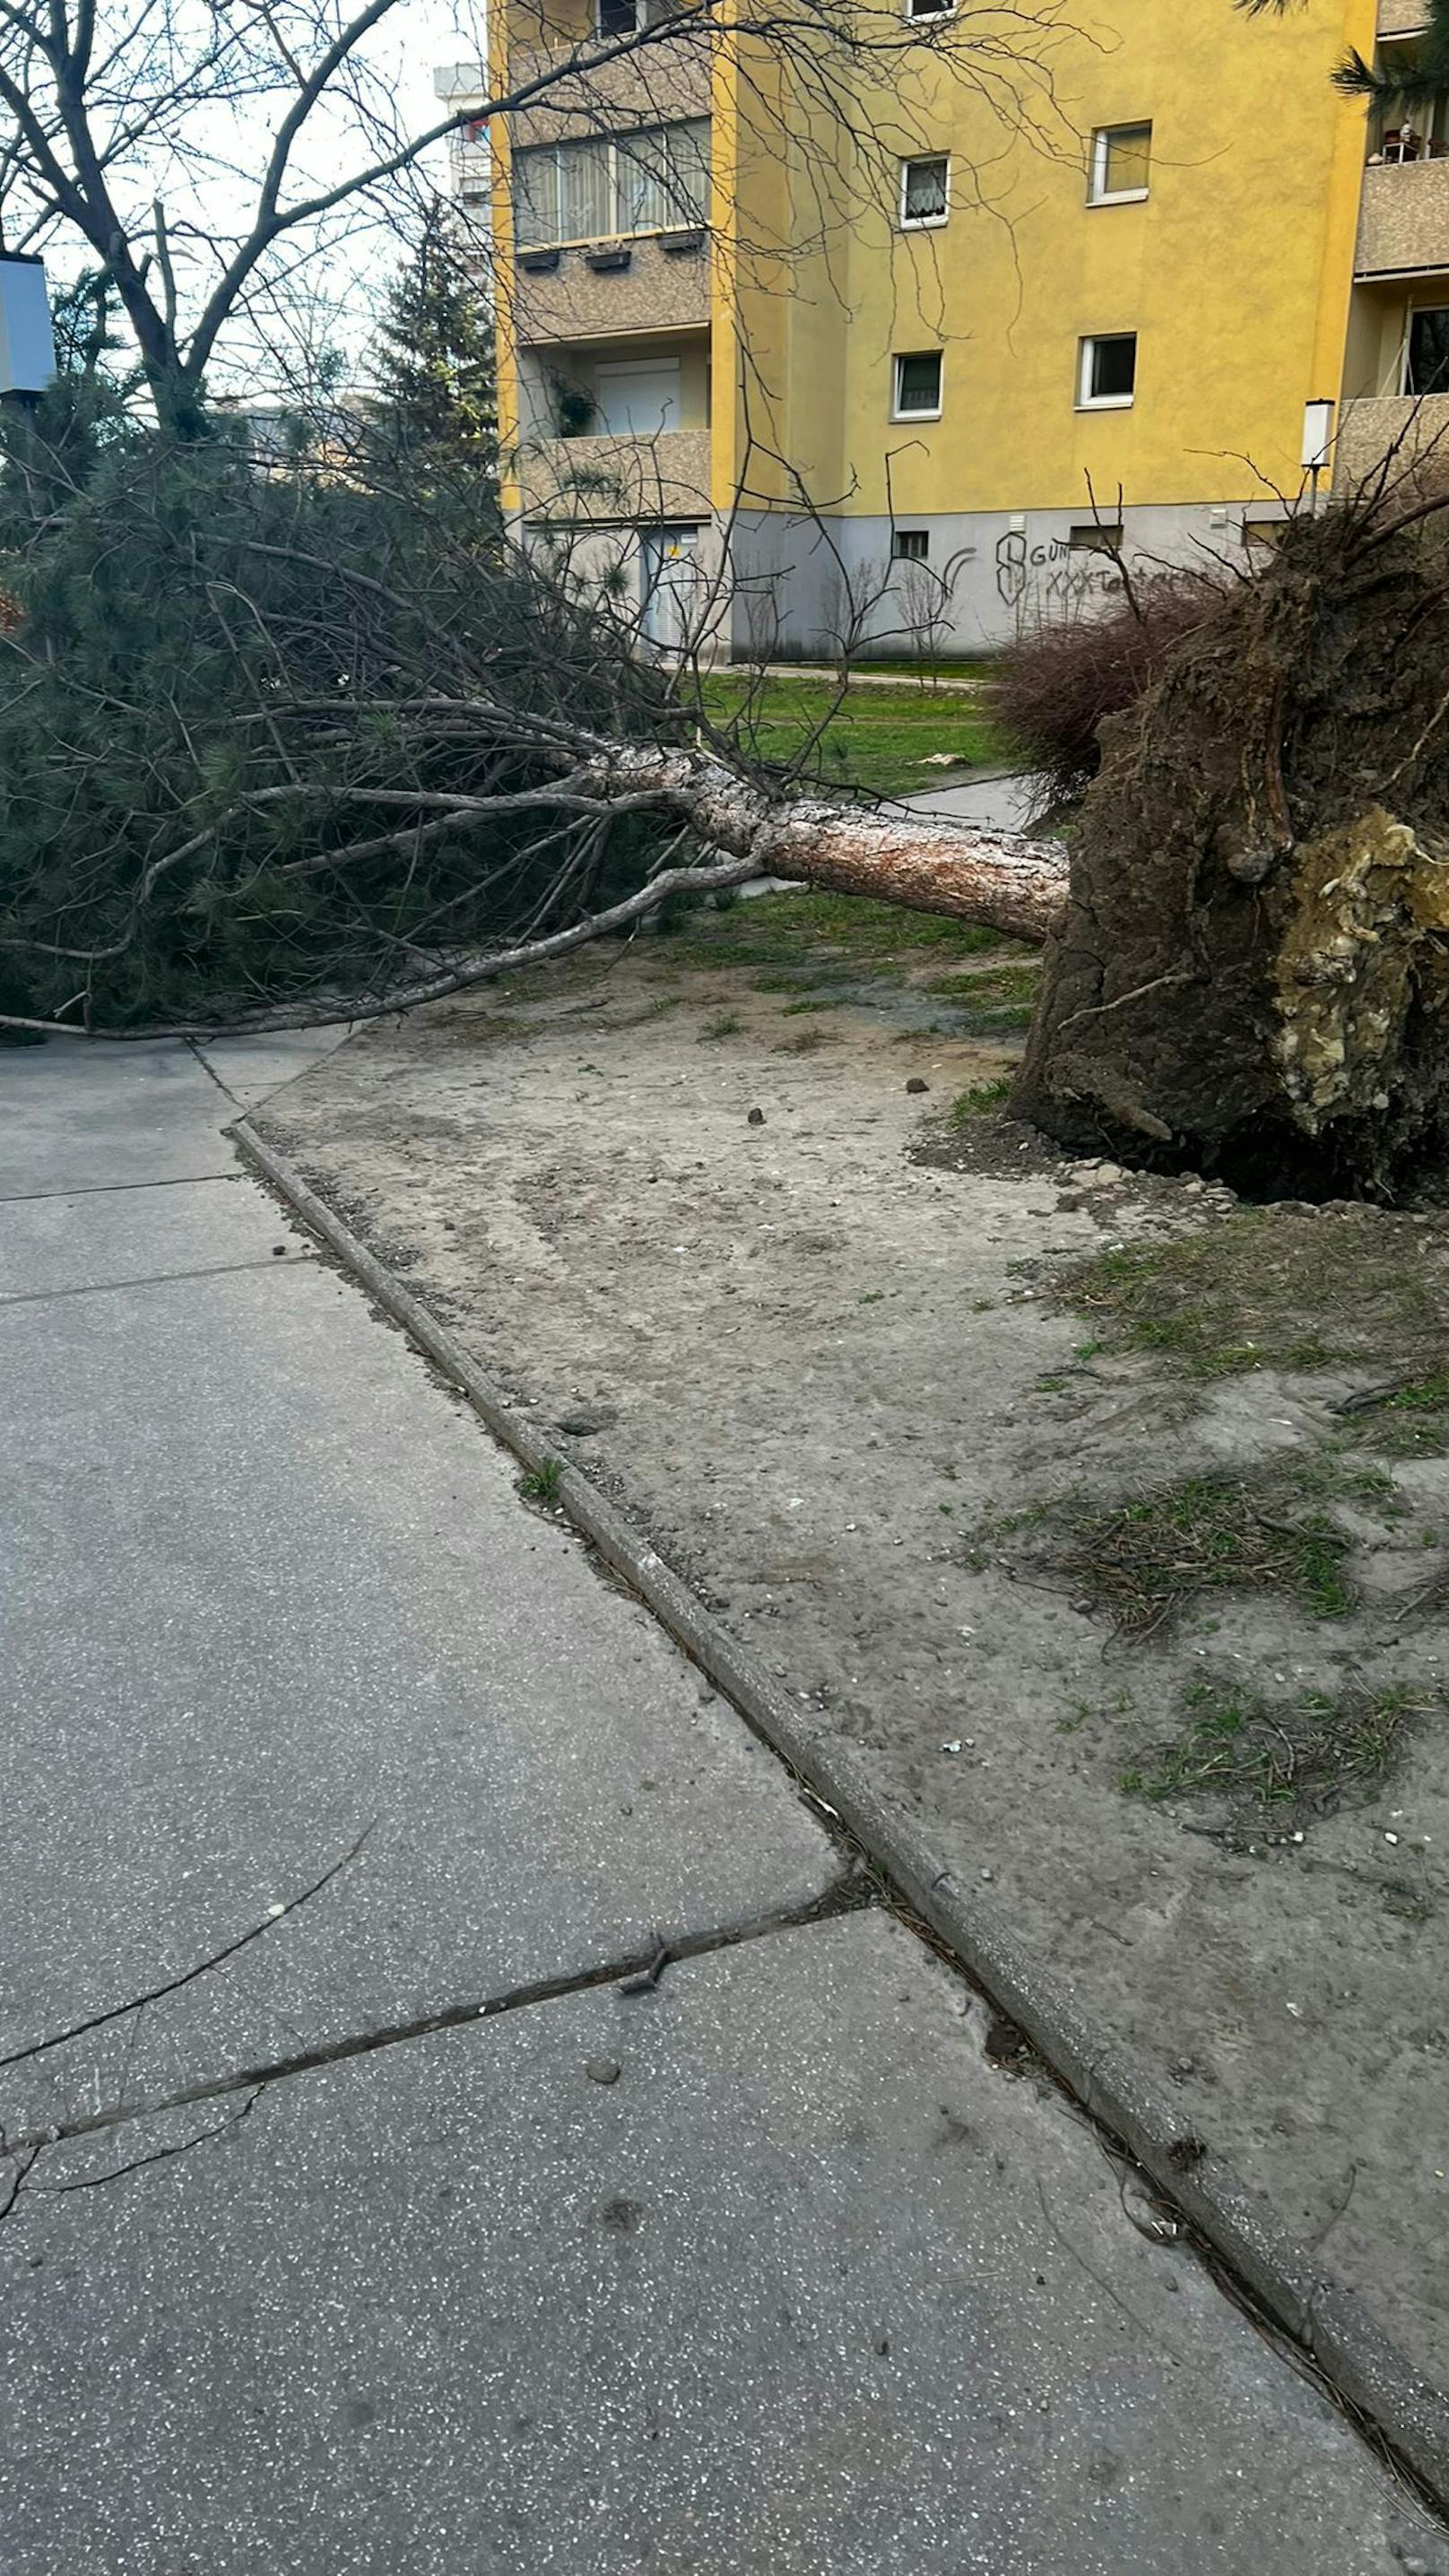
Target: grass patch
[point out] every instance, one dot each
(727, 1024)
(816, 937)
(1272, 1288)
(1146, 1560)
(975, 940)
(543, 1483)
(813, 1002)
(1408, 1421)
(980, 1100)
(807, 1043)
(1301, 1755)
(880, 740)
(991, 984)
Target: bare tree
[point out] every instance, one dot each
(135, 123)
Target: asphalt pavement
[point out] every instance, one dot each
(355, 2214)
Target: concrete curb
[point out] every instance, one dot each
(1329, 2322)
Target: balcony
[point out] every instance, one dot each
(662, 284)
(659, 87)
(1402, 17)
(1403, 228)
(1370, 428)
(609, 481)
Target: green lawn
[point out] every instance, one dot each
(879, 739)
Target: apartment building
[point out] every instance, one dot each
(783, 375)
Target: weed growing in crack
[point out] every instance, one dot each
(543, 1483)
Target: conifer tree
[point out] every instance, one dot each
(434, 366)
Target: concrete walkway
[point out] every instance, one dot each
(1002, 801)
(404, 2238)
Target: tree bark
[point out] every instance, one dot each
(1008, 881)
(1005, 880)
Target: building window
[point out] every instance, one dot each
(1108, 378)
(1426, 369)
(911, 545)
(1101, 537)
(918, 385)
(652, 181)
(1121, 164)
(925, 189)
(475, 130)
(627, 17)
(929, 8)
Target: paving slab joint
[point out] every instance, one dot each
(635, 1972)
(1361, 2364)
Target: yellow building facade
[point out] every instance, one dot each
(888, 352)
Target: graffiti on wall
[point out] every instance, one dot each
(1051, 574)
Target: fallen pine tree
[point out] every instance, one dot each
(1247, 947)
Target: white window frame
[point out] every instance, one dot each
(931, 9)
(1086, 399)
(1406, 356)
(923, 223)
(898, 360)
(1098, 193)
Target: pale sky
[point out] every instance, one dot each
(331, 298)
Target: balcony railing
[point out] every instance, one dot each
(1399, 424)
(589, 291)
(658, 86)
(1404, 220)
(609, 481)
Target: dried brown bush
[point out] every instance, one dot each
(1064, 674)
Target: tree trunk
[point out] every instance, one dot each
(1002, 879)
(1006, 880)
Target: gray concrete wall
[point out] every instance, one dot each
(800, 586)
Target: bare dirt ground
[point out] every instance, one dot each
(1109, 1519)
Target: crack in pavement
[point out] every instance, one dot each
(108, 1189)
(157, 1279)
(853, 1892)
